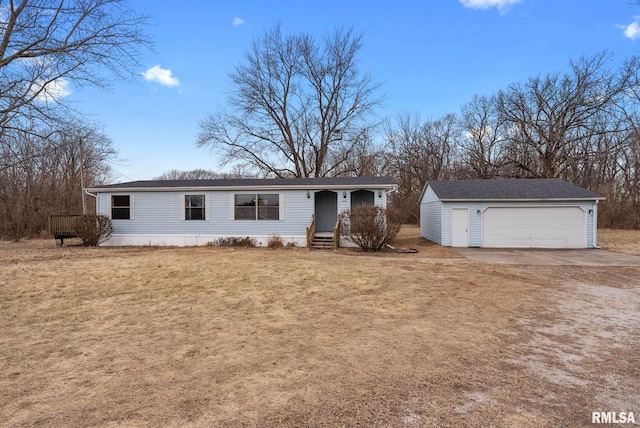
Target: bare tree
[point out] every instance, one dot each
(551, 120)
(198, 174)
(582, 125)
(441, 138)
(299, 107)
(370, 227)
(43, 176)
(418, 151)
(49, 46)
(405, 152)
(484, 138)
(366, 158)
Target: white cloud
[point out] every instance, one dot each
(501, 5)
(479, 134)
(161, 75)
(632, 30)
(237, 21)
(52, 91)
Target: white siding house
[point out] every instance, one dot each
(509, 213)
(198, 212)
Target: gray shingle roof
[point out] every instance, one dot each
(253, 183)
(510, 189)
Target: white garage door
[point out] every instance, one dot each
(534, 227)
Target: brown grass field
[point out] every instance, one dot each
(623, 241)
(210, 336)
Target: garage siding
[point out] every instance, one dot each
(431, 216)
(592, 226)
(431, 221)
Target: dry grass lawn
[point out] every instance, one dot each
(409, 238)
(622, 241)
(256, 337)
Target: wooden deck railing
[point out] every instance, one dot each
(336, 235)
(63, 226)
(311, 230)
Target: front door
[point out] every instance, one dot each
(459, 227)
(326, 210)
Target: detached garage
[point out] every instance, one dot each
(509, 213)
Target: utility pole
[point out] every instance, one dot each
(84, 198)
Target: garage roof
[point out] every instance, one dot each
(509, 189)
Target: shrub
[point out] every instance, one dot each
(370, 227)
(93, 229)
(275, 241)
(234, 241)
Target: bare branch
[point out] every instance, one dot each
(50, 47)
(296, 103)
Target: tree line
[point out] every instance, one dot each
(580, 126)
(43, 176)
(299, 106)
(47, 146)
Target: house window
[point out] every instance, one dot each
(362, 197)
(121, 207)
(257, 207)
(194, 207)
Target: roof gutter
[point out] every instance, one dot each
(597, 198)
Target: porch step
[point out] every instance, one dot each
(321, 242)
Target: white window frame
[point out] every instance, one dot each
(183, 206)
(232, 206)
(131, 206)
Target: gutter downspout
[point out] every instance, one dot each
(86, 192)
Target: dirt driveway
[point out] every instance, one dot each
(585, 257)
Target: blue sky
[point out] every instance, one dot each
(430, 56)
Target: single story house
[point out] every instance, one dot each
(509, 213)
(198, 212)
